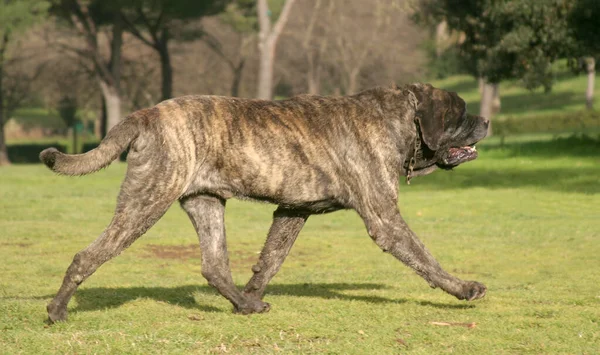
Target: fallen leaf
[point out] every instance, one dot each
(221, 348)
(451, 324)
(401, 342)
(195, 317)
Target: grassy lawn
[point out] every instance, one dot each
(523, 219)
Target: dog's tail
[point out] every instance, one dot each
(115, 142)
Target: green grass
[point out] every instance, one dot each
(523, 219)
(567, 95)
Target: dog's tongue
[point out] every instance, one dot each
(460, 155)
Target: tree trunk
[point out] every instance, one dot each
(116, 45)
(352, 82)
(112, 101)
(111, 90)
(590, 66)
(496, 102)
(441, 38)
(480, 84)
(267, 41)
(237, 78)
(3, 150)
(487, 99)
(265, 72)
(75, 148)
(101, 126)
(314, 85)
(166, 69)
(313, 75)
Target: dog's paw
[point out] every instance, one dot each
(56, 313)
(252, 306)
(472, 290)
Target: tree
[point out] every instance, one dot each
(584, 23)
(156, 22)
(15, 17)
(67, 109)
(352, 48)
(87, 18)
(517, 39)
(315, 42)
(240, 16)
(267, 42)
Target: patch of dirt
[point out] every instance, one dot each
(181, 252)
(242, 259)
(238, 259)
(22, 245)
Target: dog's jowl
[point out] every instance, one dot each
(308, 154)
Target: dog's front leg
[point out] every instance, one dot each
(390, 232)
(207, 214)
(282, 234)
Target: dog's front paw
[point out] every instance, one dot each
(472, 290)
(56, 313)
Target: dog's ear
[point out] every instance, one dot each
(436, 112)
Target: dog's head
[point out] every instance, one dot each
(447, 131)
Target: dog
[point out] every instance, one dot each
(307, 154)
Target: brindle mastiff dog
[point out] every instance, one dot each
(307, 154)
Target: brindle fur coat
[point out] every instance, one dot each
(307, 154)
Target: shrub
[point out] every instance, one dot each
(29, 153)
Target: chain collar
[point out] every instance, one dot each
(417, 153)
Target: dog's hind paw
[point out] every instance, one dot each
(253, 306)
(472, 290)
(56, 313)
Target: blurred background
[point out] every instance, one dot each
(522, 218)
(71, 69)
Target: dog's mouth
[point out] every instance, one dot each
(445, 159)
(455, 156)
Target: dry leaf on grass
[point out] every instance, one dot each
(452, 324)
(401, 342)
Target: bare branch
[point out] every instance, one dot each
(311, 24)
(82, 22)
(149, 26)
(154, 29)
(283, 17)
(5, 39)
(215, 45)
(136, 33)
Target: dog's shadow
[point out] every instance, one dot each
(90, 299)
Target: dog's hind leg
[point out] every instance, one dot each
(207, 214)
(144, 197)
(282, 235)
